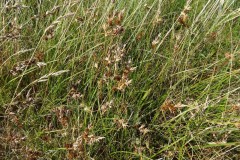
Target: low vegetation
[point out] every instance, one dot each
(113, 79)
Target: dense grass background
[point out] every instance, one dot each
(112, 79)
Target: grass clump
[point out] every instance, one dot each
(102, 79)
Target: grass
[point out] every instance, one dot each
(103, 79)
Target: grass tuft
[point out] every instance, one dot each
(112, 79)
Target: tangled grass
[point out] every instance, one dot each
(112, 79)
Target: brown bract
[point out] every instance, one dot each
(168, 106)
